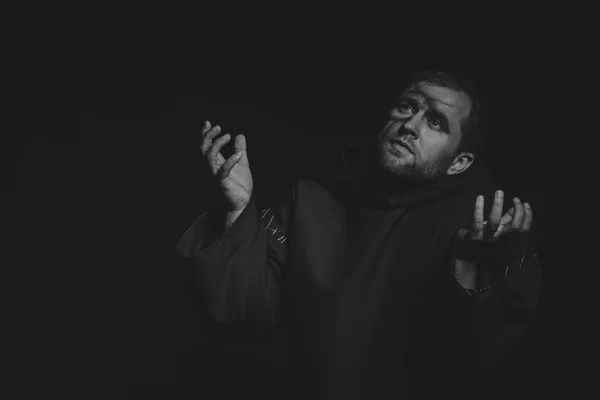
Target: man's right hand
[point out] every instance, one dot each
(233, 175)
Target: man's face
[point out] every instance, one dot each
(427, 121)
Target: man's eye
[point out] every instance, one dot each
(435, 123)
(405, 107)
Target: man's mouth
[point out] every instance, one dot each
(402, 144)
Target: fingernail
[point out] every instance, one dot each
(527, 205)
(500, 193)
(217, 128)
(517, 200)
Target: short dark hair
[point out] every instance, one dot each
(473, 133)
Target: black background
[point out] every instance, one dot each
(121, 183)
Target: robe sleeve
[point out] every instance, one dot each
(238, 272)
(503, 308)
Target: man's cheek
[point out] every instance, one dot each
(385, 131)
(390, 128)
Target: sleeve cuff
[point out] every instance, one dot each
(200, 237)
(526, 262)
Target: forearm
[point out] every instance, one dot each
(504, 309)
(219, 223)
(465, 273)
(238, 269)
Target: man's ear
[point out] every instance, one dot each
(460, 164)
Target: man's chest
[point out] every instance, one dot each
(334, 246)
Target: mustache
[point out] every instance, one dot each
(404, 143)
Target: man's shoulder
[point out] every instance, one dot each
(325, 176)
(311, 185)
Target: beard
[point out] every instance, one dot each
(409, 170)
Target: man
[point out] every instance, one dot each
(403, 277)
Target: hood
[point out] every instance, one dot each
(356, 180)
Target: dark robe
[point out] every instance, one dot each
(359, 276)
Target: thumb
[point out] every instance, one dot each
(240, 145)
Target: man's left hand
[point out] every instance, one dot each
(500, 238)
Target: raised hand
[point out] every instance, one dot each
(518, 219)
(473, 243)
(233, 175)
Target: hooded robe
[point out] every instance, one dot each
(359, 276)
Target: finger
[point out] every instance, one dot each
(240, 147)
(211, 132)
(528, 220)
(215, 158)
(226, 168)
(218, 162)
(208, 139)
(496, 213)
(517, 220)
(478, 217)
(214, 150)
(504, 221)
(205, 146)
(507, 217)
(205, 127)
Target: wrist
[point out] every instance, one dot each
(232, 216)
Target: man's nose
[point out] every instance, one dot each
(410, 126)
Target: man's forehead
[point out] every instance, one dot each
(441, 96)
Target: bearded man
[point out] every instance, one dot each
(409, 274)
